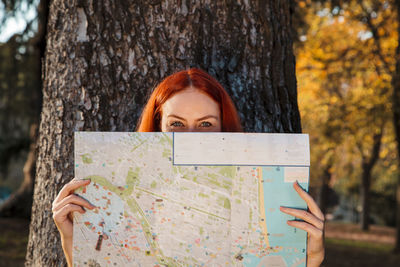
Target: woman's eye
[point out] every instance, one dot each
(177, 124)
(205, 124)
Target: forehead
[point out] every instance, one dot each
(190, 103)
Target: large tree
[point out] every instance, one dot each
(104, 57)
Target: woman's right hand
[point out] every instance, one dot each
(64, 204)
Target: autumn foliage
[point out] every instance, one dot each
(345, 65)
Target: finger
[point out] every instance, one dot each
(312, 205)
(314, 232)
(73, 199)
(70, 188)
(304, 215)
(61, 215)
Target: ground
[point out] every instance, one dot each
(346, 245)
(13, 241)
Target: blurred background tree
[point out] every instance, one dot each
(20, 100)
(346, 67)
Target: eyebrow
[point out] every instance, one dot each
(200, 119)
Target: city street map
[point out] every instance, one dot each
(190, 199)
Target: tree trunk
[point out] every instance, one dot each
(323, 197)
(104, 57)
(396, 120)
(365, 189)
(367, 165)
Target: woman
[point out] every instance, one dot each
(189, 100)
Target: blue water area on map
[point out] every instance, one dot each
(278, 193)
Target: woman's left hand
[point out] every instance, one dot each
(314, 223)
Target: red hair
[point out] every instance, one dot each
(150, 120)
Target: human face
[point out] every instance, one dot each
(190, 111)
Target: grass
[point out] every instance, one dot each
(353, 253)
(366, 246)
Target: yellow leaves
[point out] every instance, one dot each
(384, 152)
(344, 87)
(393, 168)
(334, 100)
(381, 31)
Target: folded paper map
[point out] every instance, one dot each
(190, 199)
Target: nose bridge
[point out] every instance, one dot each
(192, 128)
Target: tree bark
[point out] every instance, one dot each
(104, 57)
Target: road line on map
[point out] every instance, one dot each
(202, 211)
(263, 224)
